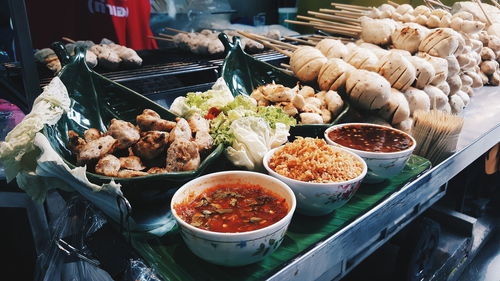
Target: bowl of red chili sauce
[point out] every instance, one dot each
(233, 218)
(384, 149)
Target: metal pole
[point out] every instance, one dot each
(24, 50)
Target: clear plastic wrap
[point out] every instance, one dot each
(67, 256)
(85, 247)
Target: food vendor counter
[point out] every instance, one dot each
(328, 247)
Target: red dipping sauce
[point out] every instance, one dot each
(370, 138)
(233, 208)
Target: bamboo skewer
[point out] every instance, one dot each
(480, 4)
(359, 7)
(287, 66)
(339, 31)
(277, 42)
(299, 40)
(441, 5)
(342, 13)
(161, 38)
(332, 17)
(495, 3)
(166, 35)
(330, 25)
(394, 4)
(321, 20)
(69, 40)
(175, 30)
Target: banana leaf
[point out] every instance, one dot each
(243, 73)
(95, 100)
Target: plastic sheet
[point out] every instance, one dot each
(84, 247)
(66, 256)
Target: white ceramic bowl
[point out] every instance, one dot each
(317, 199)
(381, 165)
(233, 249)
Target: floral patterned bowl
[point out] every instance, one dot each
(381, 165)
(317, 199)
(233, 249)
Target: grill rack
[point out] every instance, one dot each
(168, 70)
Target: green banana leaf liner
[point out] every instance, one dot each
(95, 100)
(243, 74)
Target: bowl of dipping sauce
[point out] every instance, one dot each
(233, 218)
(385, 150)
(322, 176)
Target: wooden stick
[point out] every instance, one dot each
(274, 47)
(175, 30)
(394, 4)
(329, 25)
(495, 3)
(299, 40)
(332, 17)
(69, 40)
(339, 31)
(161, 38)
(311, 19)
(166, 35)
(253, 36)
(439, 4)
(287, 66)
(349, 28)
(347, 9)
(484, 12)
(351, 6)
(338, 12)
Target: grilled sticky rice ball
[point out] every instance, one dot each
(397, 70)
(368, 90)
(377, 31)
(408, 37)
(306, 62)
(333, 74)
(182, 155)
(332, 48)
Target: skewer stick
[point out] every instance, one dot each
(299, 40)
(175, 30)
(166, 35)
(359, 7)
(441, 5)
(342, 13)
(330, 25)
(161, 38)
(495, 3)
(332, 17)
(287, 66)
(311, 19)
(480, 4)
(354, 10)
(69, 40)
(272, 46)
(264, 38)
(394, 4)
(339, 31)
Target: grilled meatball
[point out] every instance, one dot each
(109, 165)
(151, 145)
(96, 149)
(182, 155)
(125, 133)
(149, 120)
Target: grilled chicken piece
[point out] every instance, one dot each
(125, 133)
(96, 149)
(151, 145)
(132, 163)
(157, 170)
(130, 173)
(92, 134)
(149, 120)
(109, 165)
(75, 143)
(182, 155)
(181, 130)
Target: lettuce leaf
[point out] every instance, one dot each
(253, 138)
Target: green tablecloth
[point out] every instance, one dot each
(173, 260)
